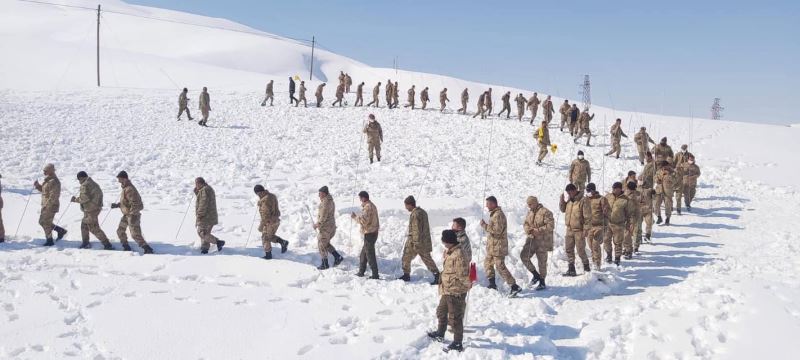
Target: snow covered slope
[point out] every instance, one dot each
(718, 284)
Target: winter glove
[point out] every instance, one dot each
(115, 205)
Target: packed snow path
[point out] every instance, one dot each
(695, 293)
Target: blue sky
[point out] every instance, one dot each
(669, 57)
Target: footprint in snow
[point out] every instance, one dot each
(94, 304)
(303, 350)
(385, 312)
(130, 294)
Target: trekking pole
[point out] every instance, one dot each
(23, 213)
(308, 210)
(184, 217)
(65, 210)
(250, 232)
(105, 217)
(355, 177)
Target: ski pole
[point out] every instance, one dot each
(250, 232)
(184, 218)
(105, 217)
(23, 213)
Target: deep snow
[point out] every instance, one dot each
(718, 284)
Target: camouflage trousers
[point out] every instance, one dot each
(534, 112)
(684, 195)
(269, 97)
(338, 101)
(492, 263)
(359, 100)
(443, 104)
(642, 154)
(303, 99)
(374, 101)
(542, 152)
(688, 194)
(451, 311)
(2, 228)
(206, 239)
(631, 241)
(204, 112)
(580, 184)
(463, 109)
(533, 247)
(548, 116)
(616, 148)
(594, 236)
(319, 100)
(182, 109)
(90, 224)
(480, 112)
(520, 112)
(410, 251)
(615, 235)
(666, 199)
(268, 230)
(374, 147)
(132, 222)
(564, 122)
(574, 241)
(506, 109)
(46, 222)
(324, 243)
(647, 219)
(581, 132)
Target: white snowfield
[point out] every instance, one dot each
(720, 283)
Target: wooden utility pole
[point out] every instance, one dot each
(98, 45)
(311, 69)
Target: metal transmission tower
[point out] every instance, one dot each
(716, 110)
(586, 92)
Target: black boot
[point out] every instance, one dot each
(49, 242)
(492, 284)
(608, 259)
(515, 289)
(284, 246)
(586, 267)
(108, 246)
(688, 208)
(85, 245)
(204, 251)
(220, 244)
(536, 278)
(267, 255)
(616, 261)
(454, 346)
(126, 247)
(436, 279)
(666, 222)
(436, 336)
(323, 265)
(571, 271)
(647, 238)
(679, 211)
(60, 232)
(370, 161)
(375, 276)
(2, 240)
(337, 259)
(659, 220)
(628, 256)
(405, 277)
(147, 249)
(541, 286)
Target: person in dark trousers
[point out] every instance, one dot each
(292, 99)
(368, 220)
